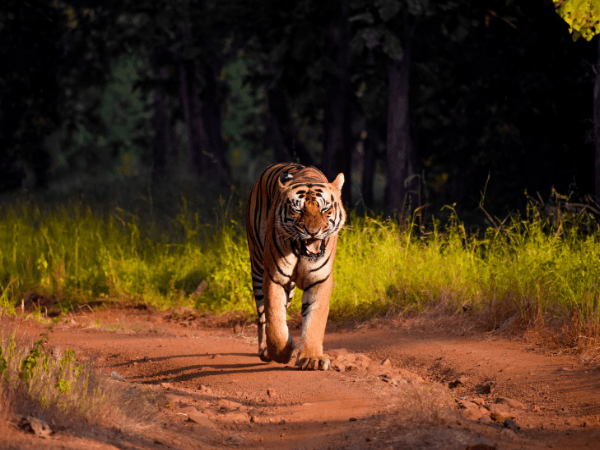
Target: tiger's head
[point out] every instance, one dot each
(311, 212)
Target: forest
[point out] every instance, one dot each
(419, 103)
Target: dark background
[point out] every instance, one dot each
(151, 99)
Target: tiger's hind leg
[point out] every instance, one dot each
(263, 354)
(259, 298)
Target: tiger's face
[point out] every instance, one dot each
(311, 213)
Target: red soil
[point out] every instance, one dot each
(213, 391)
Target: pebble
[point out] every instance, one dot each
(115, 376)
(498, 417)
(36, 426)
(485, 419)
(236, 439)
(236, 417)
(271, 393)
(228, 404)
(338, 365)
(472, 413)
(467, 404)
(498, 408)
(200, 419)
(386, 363)
(362, 359)
(511, 403)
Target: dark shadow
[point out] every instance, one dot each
(201, 372)
(210, 356)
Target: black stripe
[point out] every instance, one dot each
(296, 251)
(276, 246)
(258, 271)
(305, 309)
(281, 271)
(322, 265)
(317, 282)
(276, 282)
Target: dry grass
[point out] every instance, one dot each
(426, 404)
(52, 385)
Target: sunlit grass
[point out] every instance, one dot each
(535, 267)
(52, 384)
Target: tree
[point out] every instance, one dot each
(583, 18)
(390, 25)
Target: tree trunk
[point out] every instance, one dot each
(213, 145)
(203, 120)
(369, 158)
(337, 133)
(281, 132)
(597, 125)
(402, 188)
(164, 139)
(189, 104)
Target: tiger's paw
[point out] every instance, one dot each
(264, 355)
(314, 363)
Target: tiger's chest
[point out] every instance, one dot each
(287, 267)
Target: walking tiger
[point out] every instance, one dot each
(292, 221)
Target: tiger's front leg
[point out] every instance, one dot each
(280, 345)
(315, 309)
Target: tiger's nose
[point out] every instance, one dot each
(312, 231)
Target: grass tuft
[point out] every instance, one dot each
(51, 384)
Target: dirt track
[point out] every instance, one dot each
(214, 392)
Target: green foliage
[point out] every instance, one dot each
(48, 381)
(582, 16)
(3, 365)
(30, 363)
(545, 264)
(74, 253)
(536, 267)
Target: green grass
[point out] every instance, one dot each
(53, 385)
(33, 378)
(538, 267)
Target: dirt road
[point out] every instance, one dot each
(395, 385)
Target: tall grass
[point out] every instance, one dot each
(537, 267)
(73, 253)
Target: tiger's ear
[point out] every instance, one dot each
(284, 180)
(338, 182)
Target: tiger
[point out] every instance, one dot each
(293, 217)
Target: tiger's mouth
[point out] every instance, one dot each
(313, 248)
